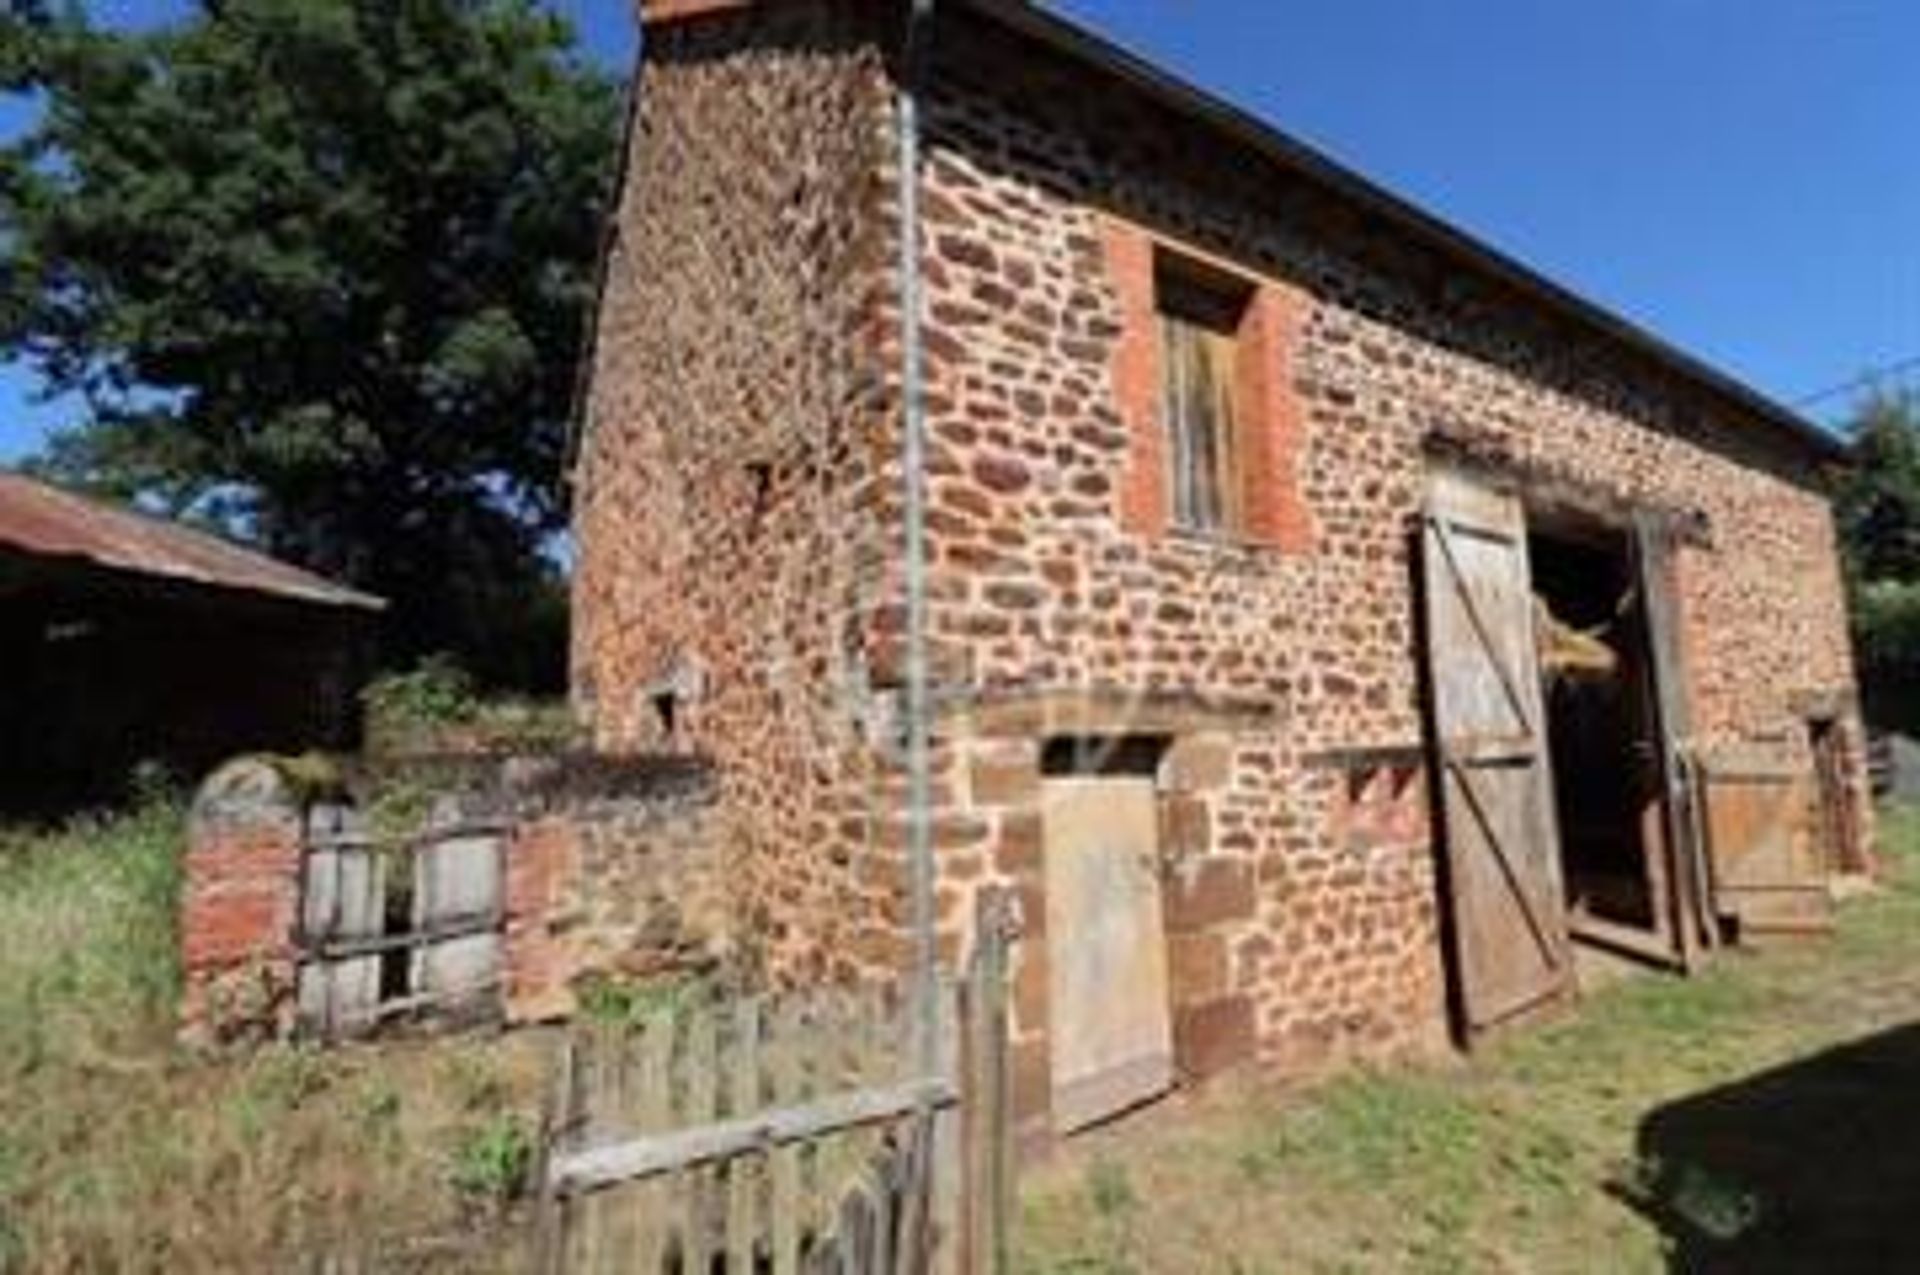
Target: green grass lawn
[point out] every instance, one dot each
(1664, 1124)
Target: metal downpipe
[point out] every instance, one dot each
(914, 479)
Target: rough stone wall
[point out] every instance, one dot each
(1044, 192)
(1280, 664)
(617, 890)
(730, 512)
(611, 871)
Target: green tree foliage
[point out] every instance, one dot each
(1877, 509)
(320, 269)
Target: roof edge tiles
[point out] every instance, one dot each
(45, 521)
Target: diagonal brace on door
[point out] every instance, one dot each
(1549, 948)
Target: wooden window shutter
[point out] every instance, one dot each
(1199, 414)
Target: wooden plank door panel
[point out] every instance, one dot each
(1684, 875)
(1767, 869)
(1111, 1028)
(1507, 902)
(457, 885)
(343, 898)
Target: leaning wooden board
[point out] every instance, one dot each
(1768, 877)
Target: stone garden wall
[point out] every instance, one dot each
(607, 871)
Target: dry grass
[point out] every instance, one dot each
(119, 1152)
(1528, 1159)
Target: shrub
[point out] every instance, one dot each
(627, 1002)
(434, 694)
(491, 1160)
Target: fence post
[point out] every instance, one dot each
(988, 1082)
(562, 1110)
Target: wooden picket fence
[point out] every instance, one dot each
(788, 1134)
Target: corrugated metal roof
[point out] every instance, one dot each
(48, 522)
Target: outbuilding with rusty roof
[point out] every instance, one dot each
(127, 638)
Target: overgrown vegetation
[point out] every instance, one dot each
(1877, 512)
(634, 1002)
(436, 706)
(1531, 1158)
(120, 1152)
(321, 271)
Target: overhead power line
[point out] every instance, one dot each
(1871, 375)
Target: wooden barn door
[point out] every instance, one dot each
(1110, 1016)
(1684, 890)
(1508, 917)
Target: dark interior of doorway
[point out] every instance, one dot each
(1601, 726)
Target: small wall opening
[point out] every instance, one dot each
(1115, 755)
(1601, 724)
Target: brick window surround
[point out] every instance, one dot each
(1267, 410)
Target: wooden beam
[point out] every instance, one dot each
(611, 1165)
(336, 949)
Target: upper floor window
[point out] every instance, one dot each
(1200, 313)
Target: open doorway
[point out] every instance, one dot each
(1602, 726)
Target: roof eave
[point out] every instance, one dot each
(1079, 43)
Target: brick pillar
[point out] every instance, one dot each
(536, 961)
(1274, 421)
(240, 906)
(1136, 378)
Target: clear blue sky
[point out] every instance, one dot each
(1740, 176)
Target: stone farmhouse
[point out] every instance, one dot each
(1336, 628)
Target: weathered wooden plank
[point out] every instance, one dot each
(344, 903)
(599, 1100)
(366, 945)
(601, 1167)
(458, 879)
(783, 1047)
(746, 1101)
(914, 1253)
(558, 1116)
(437, 832)
(1692, 895)
(700, 1182)
(996, 1102)
(1496, 799)
(945, 1148)
(879, 1258)
(653, 1200)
